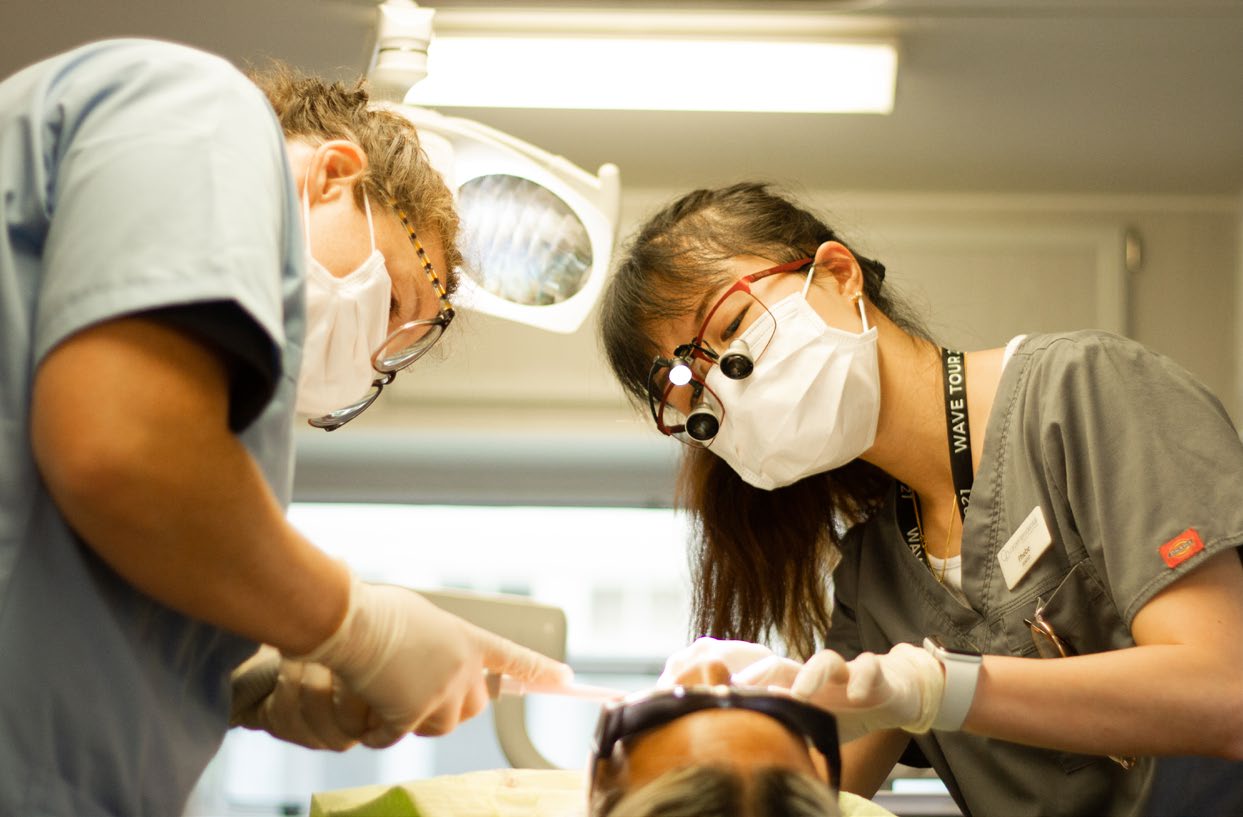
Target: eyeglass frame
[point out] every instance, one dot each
(816, 726)
(681, 355)
(388, 371)
(697, 349)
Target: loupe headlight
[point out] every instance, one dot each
(680, 371)
(737, 363)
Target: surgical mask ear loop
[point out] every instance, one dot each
(857, 298)
(807, 282)
(306, 212)
(863, 315)
(370, 225)
(306, 208)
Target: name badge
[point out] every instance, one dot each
(1027, 545)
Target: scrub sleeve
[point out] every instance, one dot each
(1155, 492)
(1138, 473)
(138, 178)
(162, 194)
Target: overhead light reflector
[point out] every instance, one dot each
(658, 74)
(537, 231)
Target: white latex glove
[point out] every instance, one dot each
(901, 689)
(773, 671)
(296, 702)
(419, 668)
(735, 655)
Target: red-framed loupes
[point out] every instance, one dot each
(683, 405)
(740, 325)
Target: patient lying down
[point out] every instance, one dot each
(694, 747)
(704, 748)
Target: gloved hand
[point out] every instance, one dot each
(901, 689)
(749, 664)
(419, 668)
(296, 702)
(735, 655)
(773, 671)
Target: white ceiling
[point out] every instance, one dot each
(1105, 96)
(994, 96)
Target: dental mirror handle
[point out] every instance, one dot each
(500, 684)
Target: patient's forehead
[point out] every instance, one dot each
(735, 738)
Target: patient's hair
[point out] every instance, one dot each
(715, 791)
(317, 111)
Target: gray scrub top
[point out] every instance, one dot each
(1124, 451)
(134, 177)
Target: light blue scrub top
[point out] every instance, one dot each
(134, 176)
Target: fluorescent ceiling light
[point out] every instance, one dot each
(658, 74)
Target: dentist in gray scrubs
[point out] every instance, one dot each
(1033, 549)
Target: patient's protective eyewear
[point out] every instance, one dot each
(682, 404)
(631, 716)
(404, 345)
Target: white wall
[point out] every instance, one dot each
(1181, 301)
(1237, 342)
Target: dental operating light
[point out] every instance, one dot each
(403, 36)
(537, 231)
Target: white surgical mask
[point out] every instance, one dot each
(812, 403)
(346, 321)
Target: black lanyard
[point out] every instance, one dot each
(958, 435)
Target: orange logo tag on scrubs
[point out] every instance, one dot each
(1181, 548)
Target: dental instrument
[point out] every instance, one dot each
(500, 684)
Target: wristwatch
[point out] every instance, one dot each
(962, 670)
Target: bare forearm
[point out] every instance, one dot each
(206, 537)
(1179, 692)
(867, 761)
(1151, 700)
(137, 454)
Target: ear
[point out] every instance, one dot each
(834, 258)
(608, 782)
(334, 170)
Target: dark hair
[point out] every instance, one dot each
(714, 791)
(315, 110)
(760, 558)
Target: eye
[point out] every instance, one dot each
(728, 331)
(394, 307)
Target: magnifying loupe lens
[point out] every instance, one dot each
(702, 425)
(736, 363)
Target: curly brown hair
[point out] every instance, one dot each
(315, 110)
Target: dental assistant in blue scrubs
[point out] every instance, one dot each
(180, 271)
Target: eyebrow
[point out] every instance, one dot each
(704, 304)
